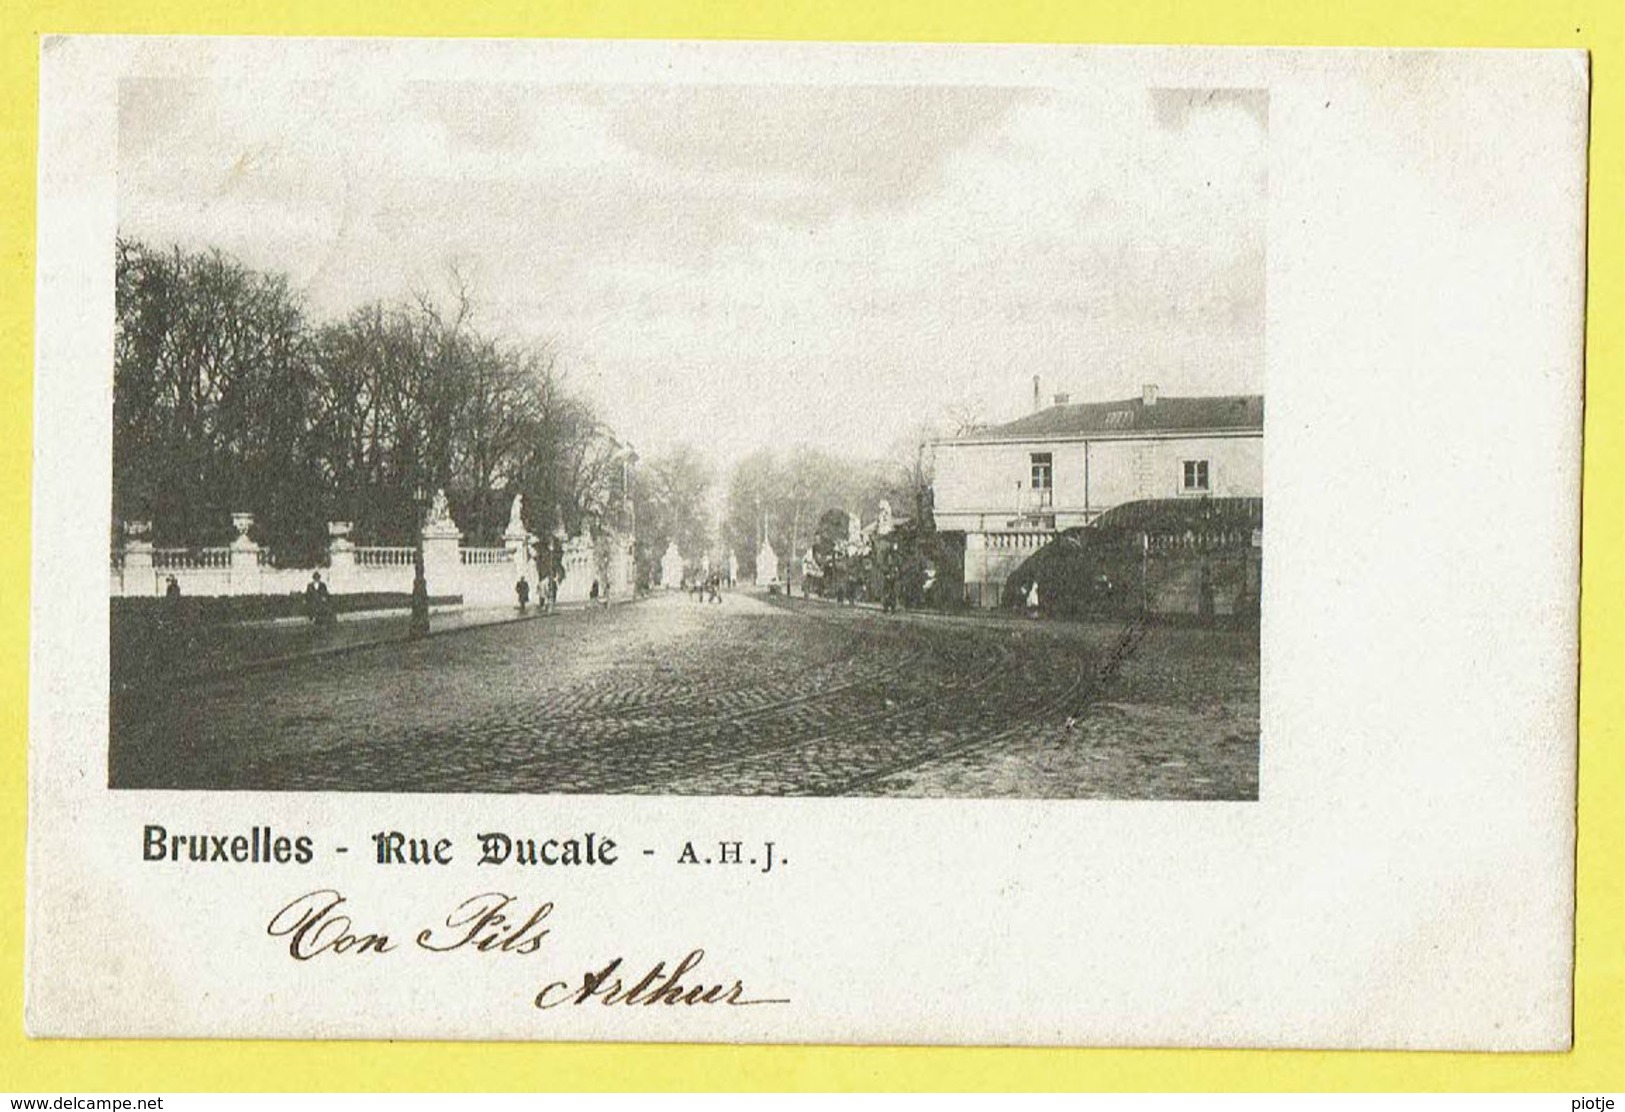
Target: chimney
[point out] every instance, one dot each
(1148, 395)
(1036, 394)
(1062, 399)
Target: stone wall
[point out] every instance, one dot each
(478, 576)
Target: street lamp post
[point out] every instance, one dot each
(419, 626)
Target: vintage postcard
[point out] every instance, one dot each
(767, 543)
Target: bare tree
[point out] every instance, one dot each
(226, 398)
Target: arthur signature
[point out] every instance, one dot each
(319, 923)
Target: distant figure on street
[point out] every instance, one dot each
(171, 613)
(1032, 599)
(714, 587)
(522, 589)
(315, 598)
(552, 592)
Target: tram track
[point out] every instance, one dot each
(297, 773)
(1076, 697)
(705, 763)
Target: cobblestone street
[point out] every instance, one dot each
(752, 697)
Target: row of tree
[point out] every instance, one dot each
(227, 398)
(784, 499)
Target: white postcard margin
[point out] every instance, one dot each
(1405, 880)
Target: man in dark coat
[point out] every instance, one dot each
(313, 592)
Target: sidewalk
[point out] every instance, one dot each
(966, 617)
(202, 652)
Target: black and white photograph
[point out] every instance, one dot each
(730, 542)
(688, 439)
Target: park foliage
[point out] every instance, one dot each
(228, 397)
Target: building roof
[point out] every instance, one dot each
(1235, 412)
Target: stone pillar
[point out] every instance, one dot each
(671, 568)
(245, 557)
(442, 550)
(138, 579)
(1253, 578)
(976, 570)
(341, 574)
(767, 564)
(519, 543)
(579, 563)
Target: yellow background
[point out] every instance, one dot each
(1597, 1062)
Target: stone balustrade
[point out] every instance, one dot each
(383, 557)
(478, 575)
(480, 556)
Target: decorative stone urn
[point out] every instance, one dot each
(339, 546)
(243, 522)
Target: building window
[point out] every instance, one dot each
(1043, 478)
(1195, 477)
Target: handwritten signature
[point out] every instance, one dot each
(319, 923)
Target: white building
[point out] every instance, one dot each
(1010, 488)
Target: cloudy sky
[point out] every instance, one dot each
(750, 266)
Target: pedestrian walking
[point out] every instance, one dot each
(318, 601)
(170, 615)
(522, 589)
(314, 591)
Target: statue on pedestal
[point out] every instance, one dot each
(439, 523)
(671, 567)
(767, 564)
(516, 518)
